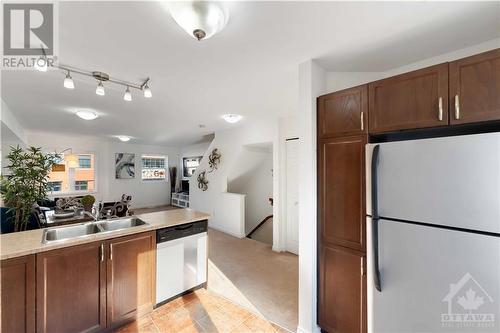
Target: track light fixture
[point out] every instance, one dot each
(42, 64)
(68, 82)
(127, 96)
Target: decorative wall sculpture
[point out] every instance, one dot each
(124, 166)
(202, 181)
(214, 159)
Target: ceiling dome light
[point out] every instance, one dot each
(87, 115)
(147, 92)
(200, 19)
(100, 89)
(41, 64)
(232, 118)
(127, 96)
(68, 82)
(123, 138)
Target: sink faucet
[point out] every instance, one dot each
(94, 216)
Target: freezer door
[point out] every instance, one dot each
(433, 280)
(453, 181)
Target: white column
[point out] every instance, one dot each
(312, 82)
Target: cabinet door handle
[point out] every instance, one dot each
(110, 252)
(101, 250)
(362, 266)
(457, 107)
(362, 121)
(440, 112)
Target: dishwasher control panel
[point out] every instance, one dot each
(179, 231)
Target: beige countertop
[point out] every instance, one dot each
(29, 242)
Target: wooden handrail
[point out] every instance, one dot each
(259, 225)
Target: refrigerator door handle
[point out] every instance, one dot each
(375, 218)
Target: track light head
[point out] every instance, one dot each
(147, 92)
(68, 82)
(100, 89)
(127, 96)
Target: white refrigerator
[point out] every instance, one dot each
(433, 235)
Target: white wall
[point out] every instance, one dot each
(256, 182)
(144, 193)
(231, 144)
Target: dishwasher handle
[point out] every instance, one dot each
(180, 231)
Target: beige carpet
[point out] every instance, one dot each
(249, 273)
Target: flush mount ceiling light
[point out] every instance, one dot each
(68, 82)
(86, 115)
(200, 19)
(41, 64)
(232, 118)
(123, 138)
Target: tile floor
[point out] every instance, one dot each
(200, 311)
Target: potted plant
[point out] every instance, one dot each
(87, 202)
(26, 183)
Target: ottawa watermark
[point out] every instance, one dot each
(469, 306)
(30, 33)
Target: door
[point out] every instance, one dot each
(343, 112)
(130, 277)
(342, 290)
(292, 196)
(341, 191)
(434, 280)
(18, 295)
(475, 88)
(412, 100)
(70, 289)
(450, 181)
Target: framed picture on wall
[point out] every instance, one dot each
(124, 166)
(189, 165)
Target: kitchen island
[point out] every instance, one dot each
(93, 283)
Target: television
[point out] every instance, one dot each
(185, 186)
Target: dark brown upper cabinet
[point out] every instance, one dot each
(18, 295)
(342, 191)
(475, 88)
(343, 112)
(70, 289)
(131, 273)
(342, 290)
(416, 99)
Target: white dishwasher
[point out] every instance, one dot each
(181, 259)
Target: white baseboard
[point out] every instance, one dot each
(226, 232)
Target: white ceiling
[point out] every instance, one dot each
(250, 68)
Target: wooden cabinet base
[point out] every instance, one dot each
(18, 295)
(342, 290)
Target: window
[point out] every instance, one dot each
(81, 185)
(84, 161)
(55, 186)
(73, 172)
(153, 167)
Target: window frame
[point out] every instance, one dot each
(81, 181)
(96, 180)
(87, 157)
(151, 159)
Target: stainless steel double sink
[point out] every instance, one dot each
(87, 229)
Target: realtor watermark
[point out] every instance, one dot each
(29, 35)
(468, 305)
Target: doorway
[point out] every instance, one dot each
(292, 196)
